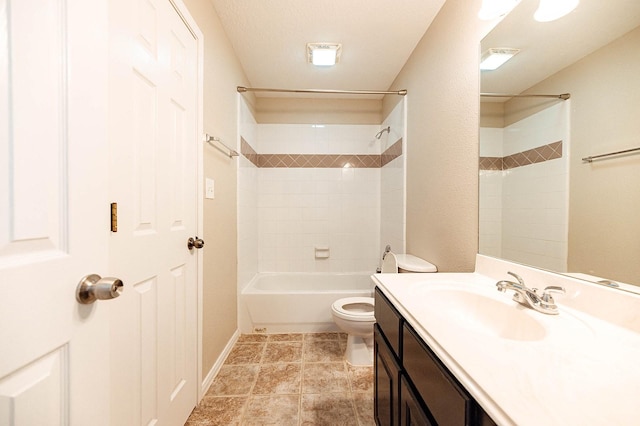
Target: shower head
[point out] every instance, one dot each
(386, 129)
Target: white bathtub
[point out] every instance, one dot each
(297, 302)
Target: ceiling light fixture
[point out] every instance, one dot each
(324, 54)
(550, 10)
(492, 9)
(495, 57)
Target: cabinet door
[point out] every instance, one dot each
(386, 386)
(447, 401)
(411, 411)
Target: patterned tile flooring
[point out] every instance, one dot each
(288, 379)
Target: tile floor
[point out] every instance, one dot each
(288, 379)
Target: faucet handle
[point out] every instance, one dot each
(546, 294)
(517, 277)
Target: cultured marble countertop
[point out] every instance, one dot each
(575, 368)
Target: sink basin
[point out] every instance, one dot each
(482, 313)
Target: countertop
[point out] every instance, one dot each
(583, 371)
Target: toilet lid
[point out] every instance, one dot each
(389, 264)
(354, 308)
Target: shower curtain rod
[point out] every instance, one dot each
(563, 96)
(242, 89)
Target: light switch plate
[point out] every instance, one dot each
(209, 192)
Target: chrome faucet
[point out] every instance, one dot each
(529, 296)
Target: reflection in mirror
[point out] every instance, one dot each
(540, 203)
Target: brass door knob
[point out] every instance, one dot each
(195, 243)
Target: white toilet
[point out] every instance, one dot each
(355, 316)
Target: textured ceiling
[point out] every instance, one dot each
(547, 47)
(377, 36)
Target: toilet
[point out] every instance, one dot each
(355, 315)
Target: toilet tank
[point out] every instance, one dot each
(411, 263)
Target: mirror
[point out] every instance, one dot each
(540, 203)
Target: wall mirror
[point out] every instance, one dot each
(542, 202)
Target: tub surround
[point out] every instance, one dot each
(578, 367)
(524, 189)
(297, 302)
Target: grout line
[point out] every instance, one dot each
(301, 381)
(349, 391)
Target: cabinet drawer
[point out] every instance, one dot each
(448, 403)
(389, 321)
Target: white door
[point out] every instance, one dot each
(54, 369)
(153, 107)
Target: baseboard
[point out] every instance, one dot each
(208, 380)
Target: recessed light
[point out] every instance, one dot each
(324, 54)
(495, 57)
(555, 9)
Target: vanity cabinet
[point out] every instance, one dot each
(412, 386)
(387, 370)
(387, 382)
(411, 411)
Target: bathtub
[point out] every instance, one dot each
(297, 302)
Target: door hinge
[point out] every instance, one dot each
(114, 217)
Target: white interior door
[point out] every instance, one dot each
(53, 211)
(153, 106)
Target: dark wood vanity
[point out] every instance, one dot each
(412, 386)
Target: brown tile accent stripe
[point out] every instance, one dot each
(491, 163)
(320, 160)
(393, 152)
(532, 156)
(248, 151)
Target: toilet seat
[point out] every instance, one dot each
(361, 308)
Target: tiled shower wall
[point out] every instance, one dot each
(490, 212)
(524, 203)
(248, 175)
(287, 211)
(304, 209)
(392, 185)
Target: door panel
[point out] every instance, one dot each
(154, 141)
(53, 211)
(36, 385)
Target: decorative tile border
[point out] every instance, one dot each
(393, 152)
(248, 151)
(532, 156)
(320, 160)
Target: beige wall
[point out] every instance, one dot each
(492, 115)
(318, 110)
(442, 79)
(442, 192)
(604, 201)
(222, 73)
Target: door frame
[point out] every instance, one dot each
(192, 26)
